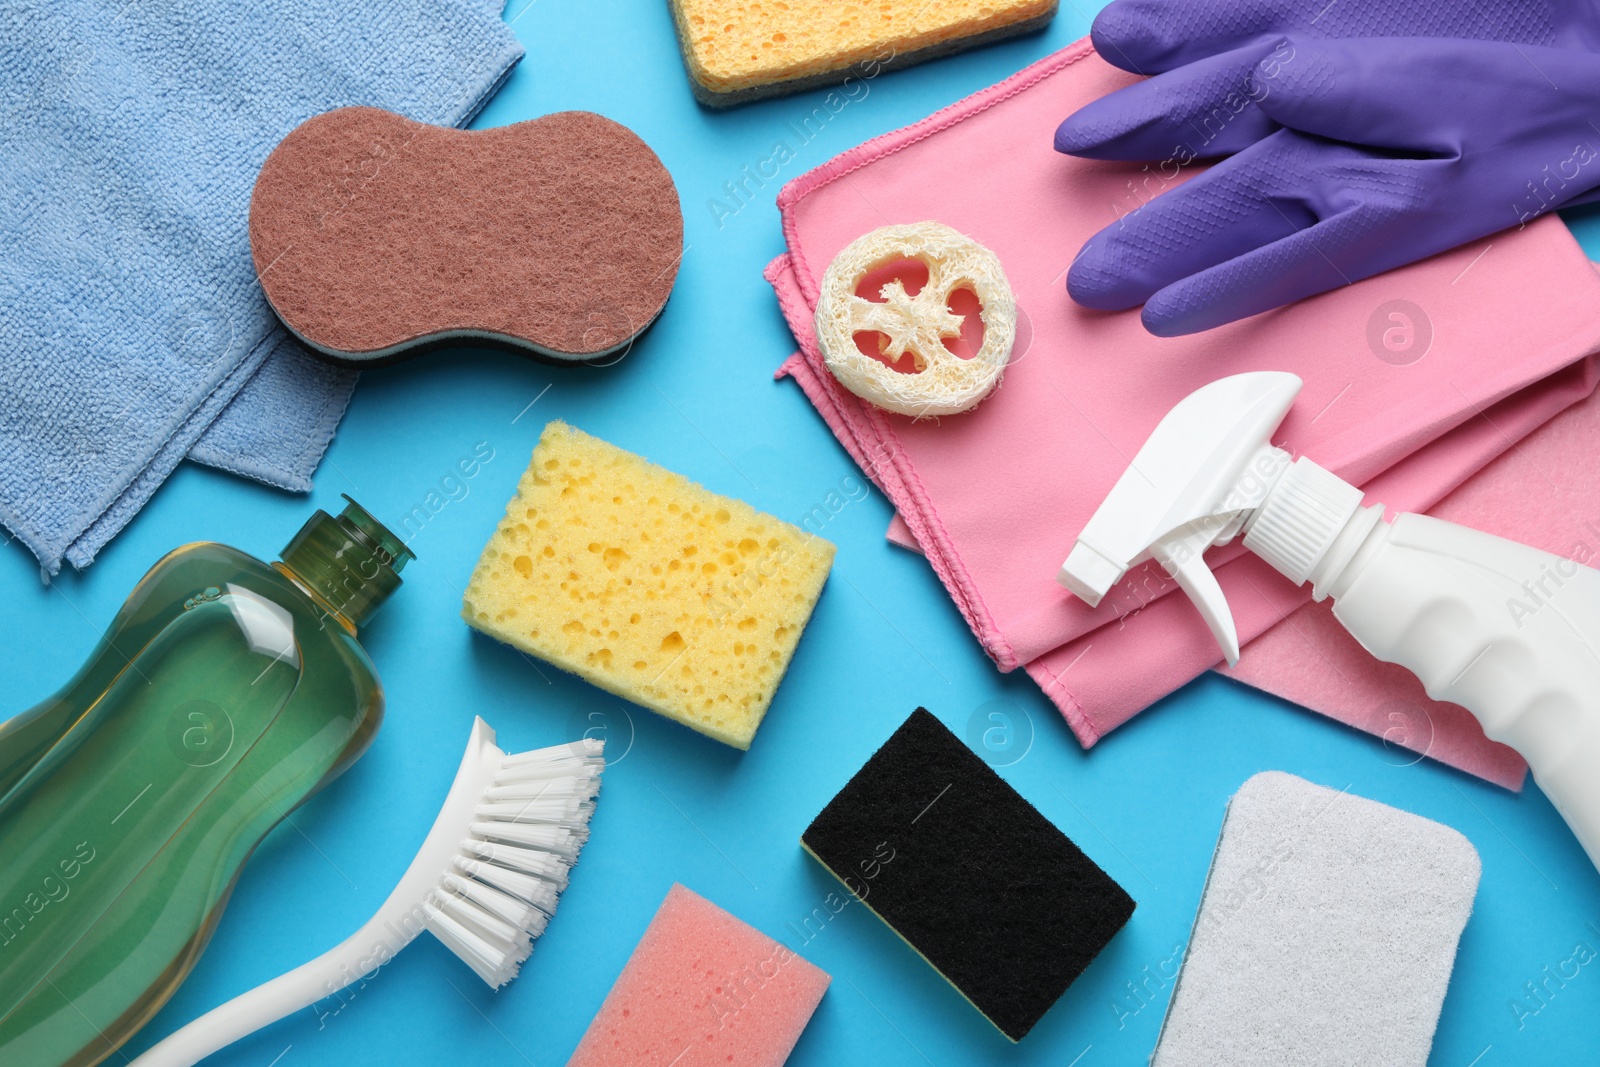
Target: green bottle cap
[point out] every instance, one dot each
(353, 562)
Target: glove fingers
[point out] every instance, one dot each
(1151, 36)
(1198, 111)
(1309, 261)
(1344, 90)
(1247, 201)
(1422, 94)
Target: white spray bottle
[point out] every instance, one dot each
(1507, 631)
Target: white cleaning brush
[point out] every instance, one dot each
(485, 883)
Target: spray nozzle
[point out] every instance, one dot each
(1206, 467)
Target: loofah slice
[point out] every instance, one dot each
(916, 325)
(376, 237)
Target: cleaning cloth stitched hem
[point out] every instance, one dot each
(276, 412)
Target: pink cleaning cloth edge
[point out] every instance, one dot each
(900, 534)
(876, 440)
(703, 989)
(1312, 661)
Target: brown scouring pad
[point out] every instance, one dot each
(376, 237)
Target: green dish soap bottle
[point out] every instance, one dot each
(225, 692)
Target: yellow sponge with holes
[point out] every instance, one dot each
(648, 585)
(738, 50)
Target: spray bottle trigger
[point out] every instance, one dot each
(1087, 573)
(1184, 560)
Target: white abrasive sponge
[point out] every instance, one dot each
(1326, 933)
(917, 325)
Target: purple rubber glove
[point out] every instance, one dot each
(1394, 149)
(1202, 51)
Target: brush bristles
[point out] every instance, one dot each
(510, 870)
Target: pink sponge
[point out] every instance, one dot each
(703, 990)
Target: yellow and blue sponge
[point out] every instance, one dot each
(738, 50)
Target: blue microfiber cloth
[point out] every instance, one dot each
(132, 329)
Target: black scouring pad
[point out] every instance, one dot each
(968, 873)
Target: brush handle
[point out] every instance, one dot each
(487, 913)
(377, 942)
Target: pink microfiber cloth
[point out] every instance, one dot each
(995, 496)
(703, 990)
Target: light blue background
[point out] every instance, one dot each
(696, 395)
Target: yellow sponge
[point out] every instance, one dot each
(648, 585)
(739, 50)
